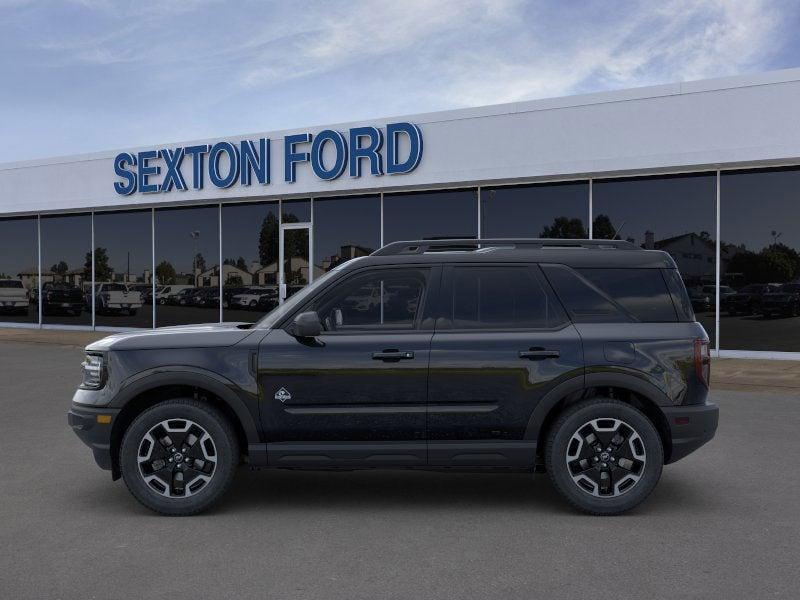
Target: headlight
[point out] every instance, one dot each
(93, 372)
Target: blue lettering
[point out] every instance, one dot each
(393, 132)
(173, 176)
(291, 157)
(197, 153)
(317, 149)
(371, 151)
(122, 159)
(254, 162)
(213, 164)
(146, 170)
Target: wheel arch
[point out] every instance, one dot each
(619, 386)
(151, 388)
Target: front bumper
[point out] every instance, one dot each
(96, 435)
(690, 427)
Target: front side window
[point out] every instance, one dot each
(381, 299)
(501, 298)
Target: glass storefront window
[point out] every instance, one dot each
(345, 228)
(676, 214)
(123, 266)
(419, 215)
(187, 265)
(249, 260)
(67, 269)
(760, 260)
(19, 270)
(551, 210)
(296, 211)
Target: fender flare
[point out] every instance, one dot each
(641, 387)
(194, 377)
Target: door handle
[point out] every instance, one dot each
(393, 355)
(538, 354)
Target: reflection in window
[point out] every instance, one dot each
(66, 269)
(19, 270)
(250, 260)
(553, 210)
(123, 265)
(187, 257)
(296, 211)
(345, 228)
(416, 216)
(760, 251)
(387, 299)
(500, 298)
(676, 214)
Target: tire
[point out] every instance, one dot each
(209, 480)
(628, 487)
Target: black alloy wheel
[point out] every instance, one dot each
(604, 456)
(179, 457)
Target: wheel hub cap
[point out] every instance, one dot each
(606, 457)
(172, 472)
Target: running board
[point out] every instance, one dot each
(434, 453)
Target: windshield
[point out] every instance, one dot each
(300, 297)
(791, 288)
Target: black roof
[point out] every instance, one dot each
(574, 253)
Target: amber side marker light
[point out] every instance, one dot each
(104, 419)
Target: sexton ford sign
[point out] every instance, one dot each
(225, 164)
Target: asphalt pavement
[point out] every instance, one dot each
(723, 523)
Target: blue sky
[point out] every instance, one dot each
(89, 75)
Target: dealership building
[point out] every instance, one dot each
(223, 229)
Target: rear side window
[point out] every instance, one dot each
(500, 297)
(613, 295)
(642, 292)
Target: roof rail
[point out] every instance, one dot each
(471, 245)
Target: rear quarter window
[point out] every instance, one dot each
(613, 295)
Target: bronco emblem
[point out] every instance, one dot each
(283, 395)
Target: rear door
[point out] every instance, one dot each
(502, 342)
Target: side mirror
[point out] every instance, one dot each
(306, 325)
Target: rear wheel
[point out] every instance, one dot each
(604, 456)
(179, 457)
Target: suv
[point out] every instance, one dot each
(580, 358)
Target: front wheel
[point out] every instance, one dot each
(179, 457)
(604, 456)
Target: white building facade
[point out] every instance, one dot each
(708, 171)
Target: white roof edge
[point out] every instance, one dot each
(604, 97)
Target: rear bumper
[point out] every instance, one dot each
(83, 420)
(690, 427)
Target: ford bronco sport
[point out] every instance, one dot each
(579, 358)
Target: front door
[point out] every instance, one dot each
(502, 342)
(295, 269)
(357, 393)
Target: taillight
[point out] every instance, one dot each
(702, 361)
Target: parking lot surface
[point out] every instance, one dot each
(723, 523)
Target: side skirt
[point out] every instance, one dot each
(435, 455)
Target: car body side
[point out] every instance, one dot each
(650, 366)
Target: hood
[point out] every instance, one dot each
(208, 335)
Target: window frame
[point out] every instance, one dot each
(444, 319)
(423, 321)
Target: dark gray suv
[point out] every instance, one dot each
(580, 358)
